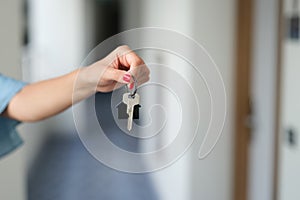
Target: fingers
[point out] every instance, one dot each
(125, 63)
(123, 56)
(141, 74)
(125, 77)
(121, 76)
(126, 59)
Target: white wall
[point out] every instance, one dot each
(214, 27)
(12, 179)
(57, 44)
(11, 37)
(173, 182)
(289, 162)
(211, 23)
(261, 161)
(55, 49)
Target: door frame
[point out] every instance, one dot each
(244, 46)
(281, 29)
(244, 30)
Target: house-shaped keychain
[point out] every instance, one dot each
(122, 111)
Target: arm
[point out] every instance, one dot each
(44, 99)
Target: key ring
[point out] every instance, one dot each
(134, 90)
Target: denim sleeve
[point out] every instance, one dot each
(9, 138)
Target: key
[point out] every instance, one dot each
(130, 101)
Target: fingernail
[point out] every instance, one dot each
(126, 78)
(127, 75)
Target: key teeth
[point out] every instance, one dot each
(129, 127)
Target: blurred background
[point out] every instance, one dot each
(255, 44)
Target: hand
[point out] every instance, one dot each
(117, 69)
(44, 99)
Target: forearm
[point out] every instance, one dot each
(44, 99)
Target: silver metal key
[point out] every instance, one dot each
(130, 101)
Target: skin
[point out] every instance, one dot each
(44, 99)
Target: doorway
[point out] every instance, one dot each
(288, 122)
(257, 70)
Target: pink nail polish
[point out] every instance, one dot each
(126, 78)
(127, 75)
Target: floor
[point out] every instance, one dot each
(64, 170)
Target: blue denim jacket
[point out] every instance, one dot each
(9, 138)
